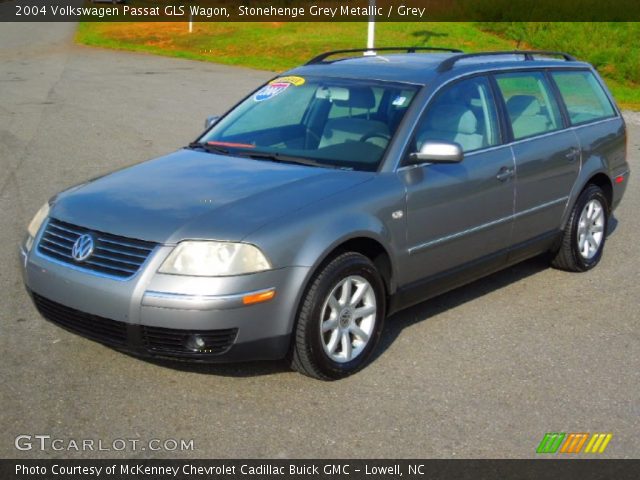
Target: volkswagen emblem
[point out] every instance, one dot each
(82, 248)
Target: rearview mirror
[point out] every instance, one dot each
(333, 93)
(210, 121)
(438, 152)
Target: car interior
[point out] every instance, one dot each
(351, 125)
(527, 116)
(356, 128)
(463, 114)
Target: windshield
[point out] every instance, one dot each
(320, 121)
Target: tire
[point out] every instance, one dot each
(353, 327)
(585, 233)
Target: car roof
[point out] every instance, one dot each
(421, 68)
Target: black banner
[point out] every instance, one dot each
(317, 11)
(590, 469)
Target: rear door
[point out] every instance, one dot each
(547, 155)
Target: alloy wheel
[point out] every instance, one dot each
(348, 319)
(590, 231)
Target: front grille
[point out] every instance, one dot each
(115, 256)
(91, 326)
(167, 340)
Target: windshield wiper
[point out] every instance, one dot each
(278, 157)
(273, 156)
(209, 148)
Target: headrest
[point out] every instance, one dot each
(359, 97)
(453, 118)
(523, 105)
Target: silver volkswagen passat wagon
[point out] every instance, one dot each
(332, 196)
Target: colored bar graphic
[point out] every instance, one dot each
(573, 442)
(598, 443)
(581, 443)
(550, 443)
(605, 443)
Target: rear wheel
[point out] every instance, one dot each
(586, 232)
(340, 320)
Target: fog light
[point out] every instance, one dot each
(195, 343)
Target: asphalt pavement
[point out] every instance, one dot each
(483, 371)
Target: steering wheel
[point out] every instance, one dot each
(367, 136)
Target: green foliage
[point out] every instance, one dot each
(613, 47)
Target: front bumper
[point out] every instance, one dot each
(160, 315)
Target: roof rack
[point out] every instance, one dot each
(320, 58)
(528, 55)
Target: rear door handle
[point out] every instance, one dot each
(504, 174)
(572, 154)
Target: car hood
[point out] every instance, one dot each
(197, 195)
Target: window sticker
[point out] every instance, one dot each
(270, 91)
(293, 80)
(277, 86)
(399, 101)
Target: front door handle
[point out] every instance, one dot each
(572, 154)
(504, 174)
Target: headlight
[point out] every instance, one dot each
(214, 259)
(37, 220)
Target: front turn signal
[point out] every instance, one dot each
(259, 297)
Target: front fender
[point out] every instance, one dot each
(308, 237)
(315, 251)
(317, 247)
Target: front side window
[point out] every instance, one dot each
(463, 113)
(343, 123)
(583, 96)
(531, 106)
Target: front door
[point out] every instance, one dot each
(459, 214)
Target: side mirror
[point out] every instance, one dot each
(210, 121)
(438, 152)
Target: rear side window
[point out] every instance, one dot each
(583, 96)
(531, 106)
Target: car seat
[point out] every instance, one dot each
(526, 116)
(452, 123)
(350, 129)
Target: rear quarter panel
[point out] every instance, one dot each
(604, 148)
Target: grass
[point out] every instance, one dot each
(278, 46)
(612, 47)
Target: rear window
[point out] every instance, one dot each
(584, 97)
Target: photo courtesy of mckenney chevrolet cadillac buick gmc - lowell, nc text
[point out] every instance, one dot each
(334, 195)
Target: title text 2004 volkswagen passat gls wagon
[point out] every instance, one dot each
(332, 196)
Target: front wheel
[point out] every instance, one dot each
(585, 234)
(340, 320)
